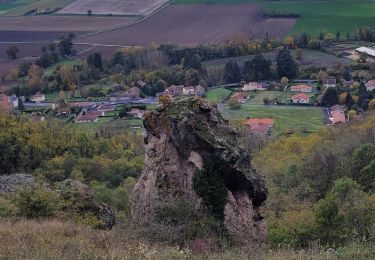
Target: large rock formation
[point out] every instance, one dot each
(181, 137)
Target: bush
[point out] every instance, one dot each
(208, 184)
(36, 202)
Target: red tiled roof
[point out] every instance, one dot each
(301, 87)
(371, 83)
(338, 117)
(239, 95)
(301, 96)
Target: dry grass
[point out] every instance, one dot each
(52, 239)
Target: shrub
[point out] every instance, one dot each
(36, 202)
(208, 184)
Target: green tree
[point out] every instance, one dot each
(12, 52)
(286, 66)
(66, 45)
(330, 97)
(330, 222)
(232, 72)
(258, 68)
(95, 61)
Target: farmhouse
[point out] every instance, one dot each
(369, 51)
(329, 83)
(13, 100)
(135, 113)
(240, 97)
(253, 86)
(199, 90)
(132, 93)
(38, 97)
(175, 91)
(370, 85)
(301, 88)
(188, 91)
(141, 84)
(338, 117)
(94, 113)
(106, 108)
(338, 108)
(260, 126)
(300, 98)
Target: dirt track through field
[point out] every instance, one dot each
(195, 24)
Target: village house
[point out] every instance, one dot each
(94, 113)
(337, 117)
(106, 108)
(329, 83)
(240, 97)
(260, 126)
(253, 86)
(141, 84)
(300, 98)
(370, 52)
(63, 111)
(132, 93)
(199, 90)
(14, 101)
(38, 97)
(175, 91)
(188, 91)
(370, 85)
(136, 113)
(86, 118)
(301, 88)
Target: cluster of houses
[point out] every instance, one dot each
(181, 90)
(92, 113)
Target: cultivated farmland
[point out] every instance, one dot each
(315, 15)
(61, 23)
(195, 24)
(115, 7)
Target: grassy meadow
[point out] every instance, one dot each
(287, 118)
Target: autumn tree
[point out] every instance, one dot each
(35, 74)
(67, 78)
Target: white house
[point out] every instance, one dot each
(370, 85)
(188, 91)
(38, 97)
(253, 86)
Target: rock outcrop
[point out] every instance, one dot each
(181, 137)
(12, 182)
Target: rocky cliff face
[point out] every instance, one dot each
(181, 138)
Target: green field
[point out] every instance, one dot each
(23, 6)
(287, 118)
(113, 125)
(316, 15)
(218, 94)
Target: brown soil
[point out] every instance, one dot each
(195, 24)
(62, 23)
